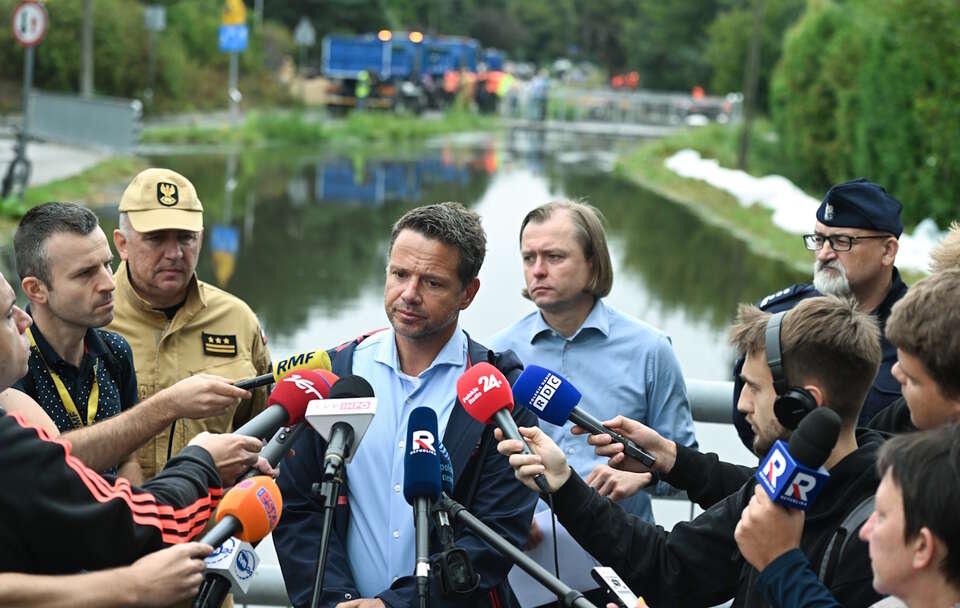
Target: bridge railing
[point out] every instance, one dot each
(634, 107)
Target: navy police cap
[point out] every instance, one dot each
(861, 204)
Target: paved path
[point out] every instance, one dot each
(50, 161)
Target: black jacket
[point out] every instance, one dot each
(483, 482)
(61, 517)
(893, 420)
(698, 562)
(885, 387)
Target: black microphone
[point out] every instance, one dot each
(421, 485)
(316, 360)
(793, 474)
(288, 402)
(341, 420)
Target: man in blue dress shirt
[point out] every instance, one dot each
(434, 258)
(620, 364)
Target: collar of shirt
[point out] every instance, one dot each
(598, 320)
(94, 348)
(454, 352)
(196, 300)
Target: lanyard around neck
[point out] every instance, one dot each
(65, 397)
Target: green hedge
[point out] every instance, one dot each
(872, 89)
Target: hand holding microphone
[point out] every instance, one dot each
(545, 461)
(485, 393)
(313, 360)
(551, 397)
(788, 481)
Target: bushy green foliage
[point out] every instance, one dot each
(191, 72)
(872, 89)
(729, 43)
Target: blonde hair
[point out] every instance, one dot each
(946, 254)
(824, 341)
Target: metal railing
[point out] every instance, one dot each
(97, 122)
(709, 400)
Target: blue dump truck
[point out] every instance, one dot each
(393, 70)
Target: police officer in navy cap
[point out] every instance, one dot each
(855, 243)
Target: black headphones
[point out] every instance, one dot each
(792, 402)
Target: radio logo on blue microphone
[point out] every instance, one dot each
(786, 481)
(422, 443)
(545, 392)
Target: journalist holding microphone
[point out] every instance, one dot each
(825, 355)
(61, 517)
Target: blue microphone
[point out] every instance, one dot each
(421, 485)
(793, 474)
(551, 397)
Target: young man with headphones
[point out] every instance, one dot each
(822, 353)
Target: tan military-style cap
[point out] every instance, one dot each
(161, 199)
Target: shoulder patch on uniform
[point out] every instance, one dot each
(219, 345)
(784, 294)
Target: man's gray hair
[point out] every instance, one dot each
(38, 225)
(453, 224)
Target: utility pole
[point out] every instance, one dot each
(750, 83)
(86, 75)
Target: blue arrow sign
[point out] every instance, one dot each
(233, 38)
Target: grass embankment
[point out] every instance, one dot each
(363, 128)
(94, 186)
(645, 165)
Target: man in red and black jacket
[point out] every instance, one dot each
(59, 516)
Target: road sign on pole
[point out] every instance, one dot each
(233, 38)
(234, 13)
(304, 34)
(29, 23)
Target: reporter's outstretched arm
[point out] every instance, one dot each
(107, 443)
(162, 578)
(706, 479)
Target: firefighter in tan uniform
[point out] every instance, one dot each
(176, 324)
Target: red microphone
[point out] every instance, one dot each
(288, 402)
(486, 395)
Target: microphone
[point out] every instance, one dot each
(446, 468)
(421, 485)
(249, 511)
(793, 474)
(288, 402)
(315, 360)
(341, 419)
(555, 399)
(485, 394)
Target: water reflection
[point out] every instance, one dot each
(685, 262)
(302, 237)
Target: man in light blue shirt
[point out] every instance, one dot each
(620, 364)
(435, 256)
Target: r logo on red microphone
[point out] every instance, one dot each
(423, 443)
